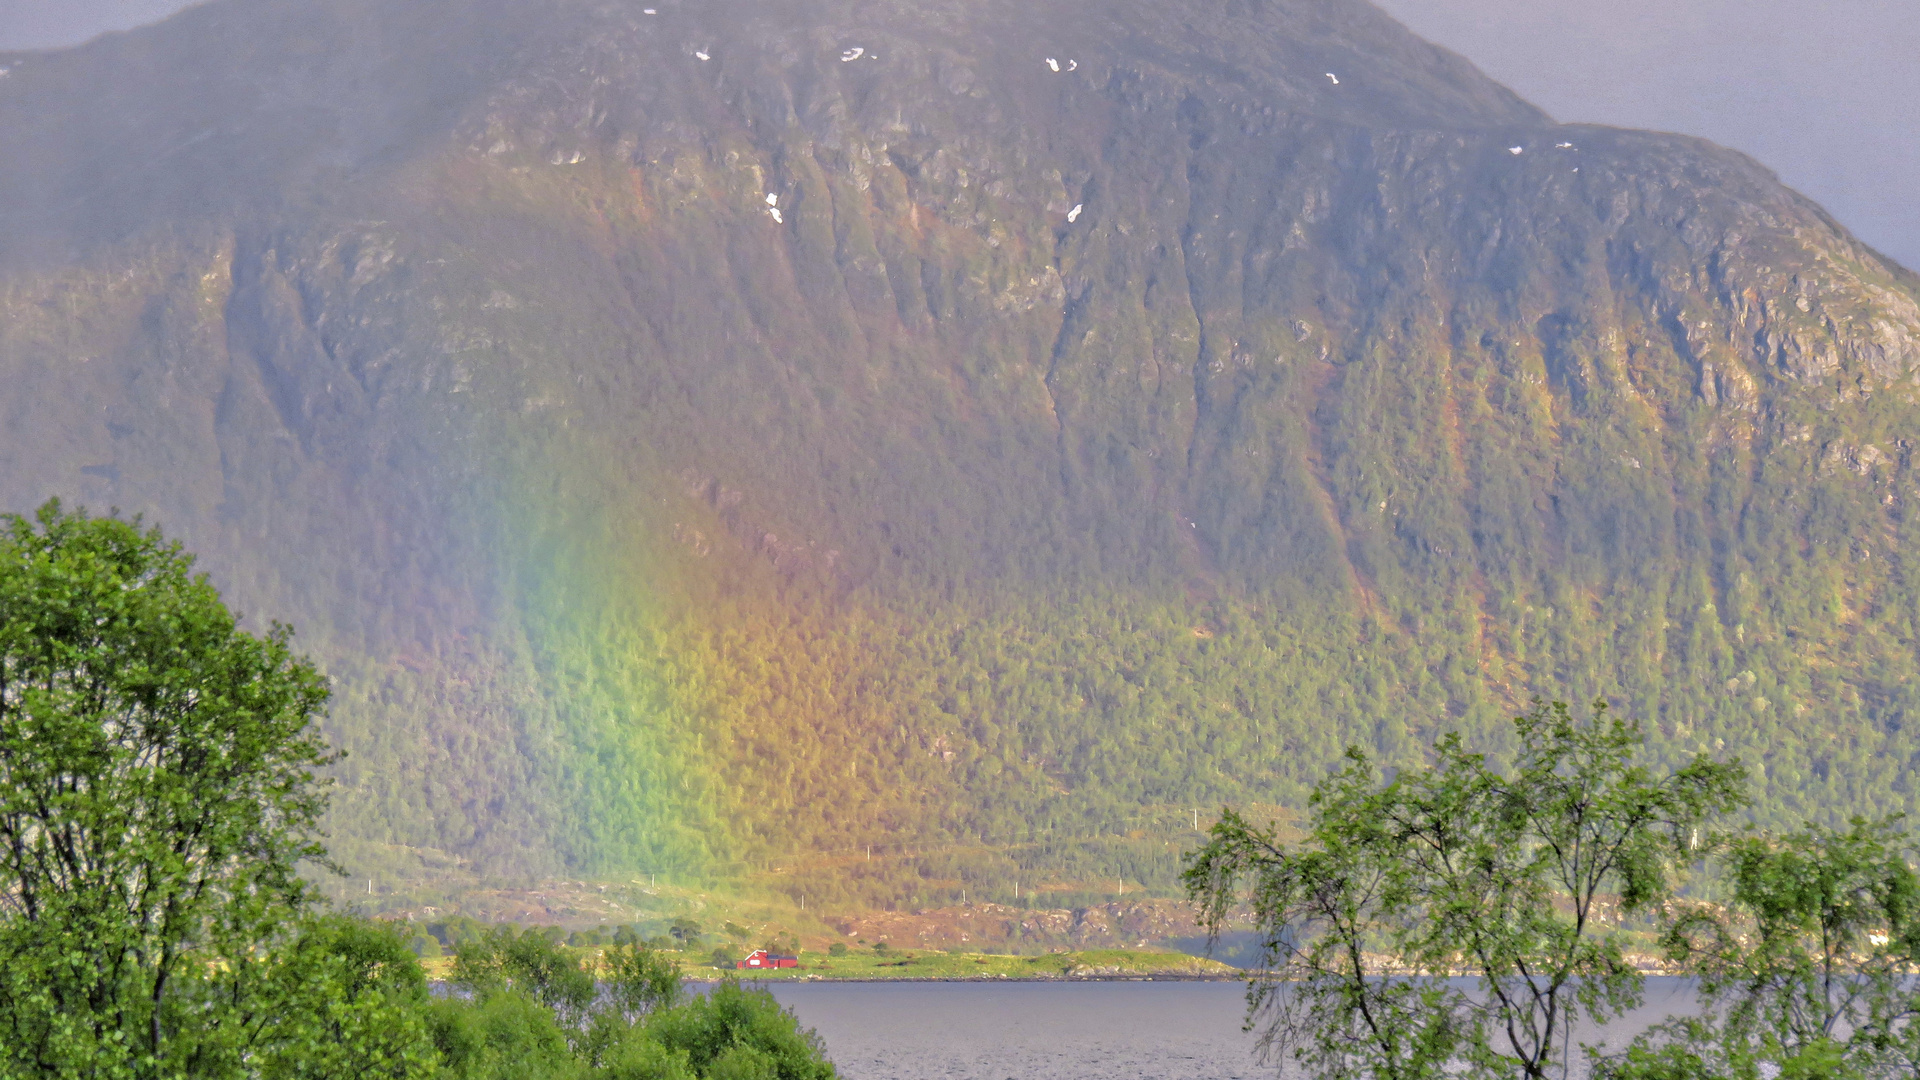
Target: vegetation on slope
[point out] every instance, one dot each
(647, 533)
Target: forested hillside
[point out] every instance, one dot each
(722, 437)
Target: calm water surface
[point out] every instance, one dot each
(1065, 1031)
(1029, 1031)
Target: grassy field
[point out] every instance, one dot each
(863, 964)
(916, 964)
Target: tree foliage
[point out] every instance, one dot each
(639, 980)
(1460, 869)
(157, 795)
(529, 961)
(332, 996)
(523, 1018)
(157, 798)
(1806, 970)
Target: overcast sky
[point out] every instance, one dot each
(1825, 92)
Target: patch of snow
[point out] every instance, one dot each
(1073, 215)
(1516, 150)
(1073, 65)
(1335, 78)
(1052, 63)
(772, 199)
(703, 55)
(649, 11)
(852, 54)
(775, 211)
(1564, 145)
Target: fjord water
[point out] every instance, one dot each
(1032, 1031)
(1072, 1031)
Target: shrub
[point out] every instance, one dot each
(502, 1035)
(639, 980)
(739, 1032)
(529, 961)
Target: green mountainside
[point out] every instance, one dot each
(818, 444)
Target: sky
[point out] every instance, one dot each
(1824, 92)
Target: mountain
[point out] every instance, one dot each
(874, 448)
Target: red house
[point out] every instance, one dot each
(761, 958)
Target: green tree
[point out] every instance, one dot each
(639, 980)
(1806, 971)
(739, 1032)
(515, 1024)
(1460, 869)
(530, 962)
(157, 795)
(501, 1035)
(337, 996)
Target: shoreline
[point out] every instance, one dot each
(1087, 965)
(996, 979)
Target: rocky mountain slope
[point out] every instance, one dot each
(717, 438)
